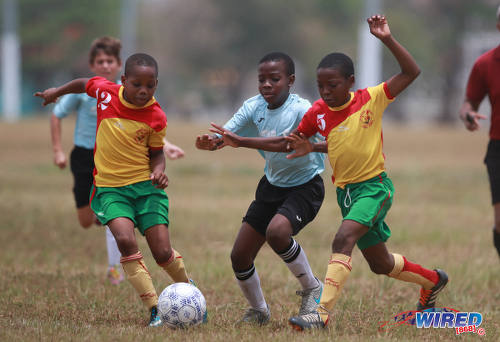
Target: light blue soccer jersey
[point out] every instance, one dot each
(86, 120)
(254, 119)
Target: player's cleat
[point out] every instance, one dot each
(155, 319)
(311, 320)
(428, 297)
(115, 277)
(205, 315)
(310, 298)
(254, 316)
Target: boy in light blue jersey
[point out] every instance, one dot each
(255, 119)
(104, 60)
(288, 196)
(86, 119)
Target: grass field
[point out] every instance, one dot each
(53, 286)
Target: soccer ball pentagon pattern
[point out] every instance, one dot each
(181, 305)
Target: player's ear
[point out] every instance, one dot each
(123, 78)
(291, 80)
(351, 80)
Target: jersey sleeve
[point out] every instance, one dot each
(66, 105)
(96, 83)
(476, 85)
(381, 97)
(156, 139)
(308, 124)
(241, 120)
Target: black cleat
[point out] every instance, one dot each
(428, 297)
(311, 320)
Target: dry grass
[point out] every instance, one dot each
(53, 286)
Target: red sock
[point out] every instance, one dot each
(415, 268)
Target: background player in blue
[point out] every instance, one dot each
(104, 60)
(288, 196)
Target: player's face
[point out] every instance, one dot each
(333, 87)
(140, 85)
(274, 83)
(106, 66)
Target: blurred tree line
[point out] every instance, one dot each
(208, 50)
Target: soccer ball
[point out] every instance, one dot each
(181, 305)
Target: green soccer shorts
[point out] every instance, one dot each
(141, 202)
(368, 203)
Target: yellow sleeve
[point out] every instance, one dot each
(156, 139)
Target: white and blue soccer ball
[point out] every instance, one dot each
(181, 305)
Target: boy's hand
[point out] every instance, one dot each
(228, 137)
(60, 159)
(471, 120)
(300, 144)
(207, 142)
(172, 151)
(48, 95)
(379, 26)
(159, 179)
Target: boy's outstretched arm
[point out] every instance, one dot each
(271, 144)
(172, 151)
(73, 87)
(301, 146)
(409, 68)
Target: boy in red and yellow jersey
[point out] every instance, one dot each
(129, 177)
(351, 122)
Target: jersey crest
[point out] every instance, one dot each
(366, 118)
(140, 135)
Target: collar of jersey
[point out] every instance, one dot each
(130, 105)
(345, 105)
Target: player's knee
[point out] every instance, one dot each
(86, 222)
(239, 261)
(343, 242)
(277, 237)
(380, 267)
(162, 255)
(126, 244)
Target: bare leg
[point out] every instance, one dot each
(496, 232)
(379, 258)
(86, 216)
(246, 246)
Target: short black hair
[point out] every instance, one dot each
(141, 59)
(338, 61)
(280, 56)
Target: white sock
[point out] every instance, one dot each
(114, 254)
(249, 283)
(296, 261)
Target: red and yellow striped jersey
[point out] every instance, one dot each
(125, 134)
(353, 132)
